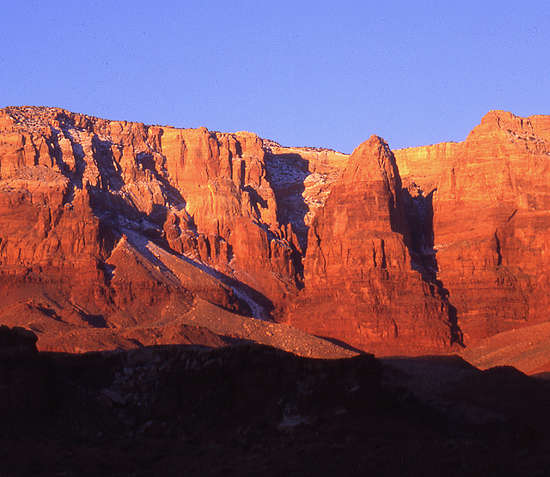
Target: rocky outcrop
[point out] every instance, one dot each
(71, 186)
(85, 204)
(254, 410)
(26, 387)
(490, 221)
(302, 178)
(228, 215)
(362, 286)
(110, 226)
(17, 341)
(422, 167)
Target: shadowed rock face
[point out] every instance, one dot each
(362, 285)
(26, 385)
(255, 410)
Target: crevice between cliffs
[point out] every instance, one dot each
(419, 214)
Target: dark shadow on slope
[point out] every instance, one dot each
(256, 199)
(96, 321)
(256, 296)
(343, 344)
(286, 174)
(49, 312)
(419, 213)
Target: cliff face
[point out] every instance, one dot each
(362, 286)
(490, 222)
(85, 203)
(81, 197)
(111, 226)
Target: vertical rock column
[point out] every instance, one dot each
(360, 286)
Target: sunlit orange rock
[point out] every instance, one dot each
(71, 186)
(361, 286)
(491, 221)
(405, 252)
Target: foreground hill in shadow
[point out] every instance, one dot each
(253, 409)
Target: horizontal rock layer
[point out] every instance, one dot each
(361, 283)
(82, 199)
(110, 225)
(491, 217)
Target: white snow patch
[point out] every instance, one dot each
(159, 255)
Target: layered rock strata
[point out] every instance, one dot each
(362, 286)
(110, 225)
(82, 200)
(490, 221)
(71, 187)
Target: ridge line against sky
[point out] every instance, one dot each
(302, 73)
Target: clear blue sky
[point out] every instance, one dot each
(303, 73)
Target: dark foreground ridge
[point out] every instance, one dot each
(250, 409)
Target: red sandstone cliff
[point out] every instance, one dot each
(83, 200)
(491, 221)
(361, 283)
(71, 186)
(109, 225)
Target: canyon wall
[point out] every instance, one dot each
(84, 202)
(362, 285)
(111, 224)
(80, 195)
(491, 217)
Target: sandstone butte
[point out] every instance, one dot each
(118, 234)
